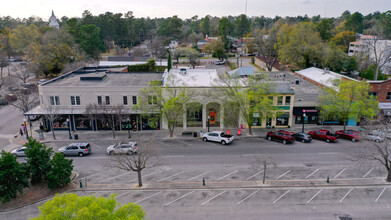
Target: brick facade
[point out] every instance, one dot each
(382, 89)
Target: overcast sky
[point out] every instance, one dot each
(189, 8)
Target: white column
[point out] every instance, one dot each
(221, 116)
(204, 117)
(184, 119)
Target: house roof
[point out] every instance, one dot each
(242, 71)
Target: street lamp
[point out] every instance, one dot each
(69, 128)
(304, 115)
(208, 122)
(26, 130)
(128, 120)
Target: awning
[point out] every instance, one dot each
(71, 111)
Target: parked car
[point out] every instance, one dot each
(122, 148)
(375, 136)
(11, 97)
(218, 136)
(73, 149)
(283, 136)
(3, 101)
(324, 135)
(348, 134)
(219, 62)
(13, 88)
(303, 137)
(19, 152)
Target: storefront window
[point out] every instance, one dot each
(82, 123)
(283, 120)
(61, 122)
(279, 100)
(256, 120)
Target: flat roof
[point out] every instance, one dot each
(191, 77)
(111, 79)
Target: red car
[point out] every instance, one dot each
(283, 136)
(348, 134)
(323, 135)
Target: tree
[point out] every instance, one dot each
(242, 26)
(205, 25)
(176, 53)
(217, 49)
(355, 22)
(379, 52)
(169, 63)
(325, 27)
(261, 164)
(168, 102)
(333, 57)
(369, 73)
(350, 64)
(175, 27)
(23, 37)
(72, 206)
(60, 171)
(38, 160)
(145, 158)
(348, 100)
(343, 39)
(192, 55)
(12, 177)
(225, 30)
(385, 24)
(26, 100)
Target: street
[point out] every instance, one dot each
(231, 190)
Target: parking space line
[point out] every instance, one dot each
(179, 198)
(148, 197)
(367, 173)
(96, 145)
(381, 193)
(254, 175)
(339, 173)
(89, 176)
(227, 175)
(114, 177)
(170, 176)
(247, 197)
(123, 194)
(199, 175)
(283, 174)
(314, 196)
(281, 196)
(142, 176)
(161, 142)
(182, 142)
(346, 195)
(311, 174)
(213, 197)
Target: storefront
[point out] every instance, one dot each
(311, 115)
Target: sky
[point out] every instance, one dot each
(189, 8)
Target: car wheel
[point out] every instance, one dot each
(377, 141)
(284, 141)
(130, 152)
(80, 154)
(303, 141)
(111, 152)
(205, 139)
(338, 136)
(223, 143)
(353, 139)
(328, 140)
(269, 138)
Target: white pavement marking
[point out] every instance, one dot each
(148, 197)
(114, 177)
(281, 196)
(329, 153)
(142, 176)
(314, 196)
(179, 198)
(170, 176)
(247, 197)
(252, 154)
(175, 156)
(227, 175)
(339, 173)
(89, 176)
(381, 193)
(311, 174)
(283, 174)
(96, 145)
(346, 195)
(213, 197)
(254, 175)
(123, 194)
(199, 175)
(367, 173)
(161, 142)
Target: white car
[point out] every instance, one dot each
(218, 136)
(123, 148)
(219, 62)
(19, 152)
(375, 136)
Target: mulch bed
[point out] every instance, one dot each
(34, 194)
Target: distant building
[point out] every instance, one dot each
(53, 21)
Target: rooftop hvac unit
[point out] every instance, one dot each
(182, 71)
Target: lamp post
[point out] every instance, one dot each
(26, 130)
(304, 115)
(208, 122)
(128, 120)
(69, 128)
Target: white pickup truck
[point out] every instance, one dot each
(218, 136)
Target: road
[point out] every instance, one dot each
(188, 161)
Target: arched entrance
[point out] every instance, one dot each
(213, 113)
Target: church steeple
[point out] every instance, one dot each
(53, 21)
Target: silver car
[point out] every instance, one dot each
(375, 136)
(19, 152)
(122, 148)
(79, 149)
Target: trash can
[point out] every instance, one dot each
(76, 136)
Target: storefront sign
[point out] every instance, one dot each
(256, 115)
(385, 105)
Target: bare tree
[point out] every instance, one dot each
(261, 163)
(4, 62)
(51, 112)
(139, 51)
(25, 100)
(145, 158)
(265, 44)
(380, 53)
(110, 115)
(157, 48)
(24, 73)
(375, 146)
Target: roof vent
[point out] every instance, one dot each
(326, 70)
(182, 71)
